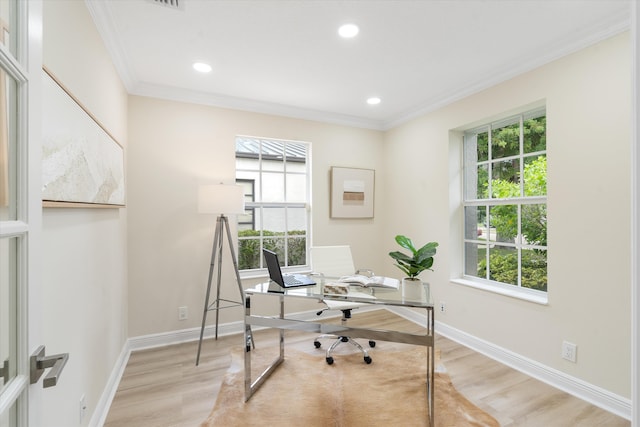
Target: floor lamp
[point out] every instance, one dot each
(222, 200)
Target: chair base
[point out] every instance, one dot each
(339, 340)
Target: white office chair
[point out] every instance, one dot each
(336, 261)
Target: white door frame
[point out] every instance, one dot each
(635, 217)
(35, 284)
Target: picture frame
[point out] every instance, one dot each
(352, 192)
(82, 163)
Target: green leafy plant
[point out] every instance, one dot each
(419, 260)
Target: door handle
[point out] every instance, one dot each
(39, 362)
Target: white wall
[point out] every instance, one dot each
(587, 95)
(173, 148)
(84, 262)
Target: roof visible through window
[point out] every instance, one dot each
(272, 150)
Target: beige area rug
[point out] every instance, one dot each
(305, 391)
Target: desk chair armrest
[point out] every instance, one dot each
(342, 305)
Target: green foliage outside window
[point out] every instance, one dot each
(504, 268)
(504, 164)
(534, 217)
(249, 252)
(506, 140)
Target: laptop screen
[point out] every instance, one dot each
(273, 265)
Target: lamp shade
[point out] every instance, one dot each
(221, 199)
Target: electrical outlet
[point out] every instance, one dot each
(183, 313)
(442, 307)
(569, 351)
(83, 408)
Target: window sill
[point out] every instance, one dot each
(264, 274)
(253, 274)
(537, 297)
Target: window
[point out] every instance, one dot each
(505, 203)
(275, 175)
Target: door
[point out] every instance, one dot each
(20, 206)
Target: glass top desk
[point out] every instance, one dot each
(357, 294)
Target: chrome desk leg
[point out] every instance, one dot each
(430, 366)
(247, 348)
(251, 387)
(282, 330)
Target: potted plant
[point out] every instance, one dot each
(414, 264)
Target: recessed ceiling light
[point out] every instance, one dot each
(202, 67)
(374, 100)
(348, 31)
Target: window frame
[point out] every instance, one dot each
(256, 207)
(475, 200)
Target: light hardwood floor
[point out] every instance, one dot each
(163, 388)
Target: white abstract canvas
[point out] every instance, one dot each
(81, 162)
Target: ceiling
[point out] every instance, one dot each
(285, 57)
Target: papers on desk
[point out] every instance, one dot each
(374, 281)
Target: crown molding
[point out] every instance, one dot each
(587, 37)
(249, 105)
(101, 14)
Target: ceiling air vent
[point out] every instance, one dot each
(173, 4)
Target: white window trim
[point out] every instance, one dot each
(520, 293)
(306, 268)
(457, 192)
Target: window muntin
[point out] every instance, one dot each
(275, 175)
(8, 304)
(8, 147)
(8, 26)
(505, 220)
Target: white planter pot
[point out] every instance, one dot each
(414, 289)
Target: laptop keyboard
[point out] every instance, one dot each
(291, 280)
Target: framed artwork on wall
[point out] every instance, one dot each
(82, 164)
(352, 192)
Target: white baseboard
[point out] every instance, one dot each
(595, 395)
(99, 416)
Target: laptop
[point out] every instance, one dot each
(284, 280)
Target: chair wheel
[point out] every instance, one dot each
(317, 344)
(372, 344)
(367, 360)
(329, 360)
